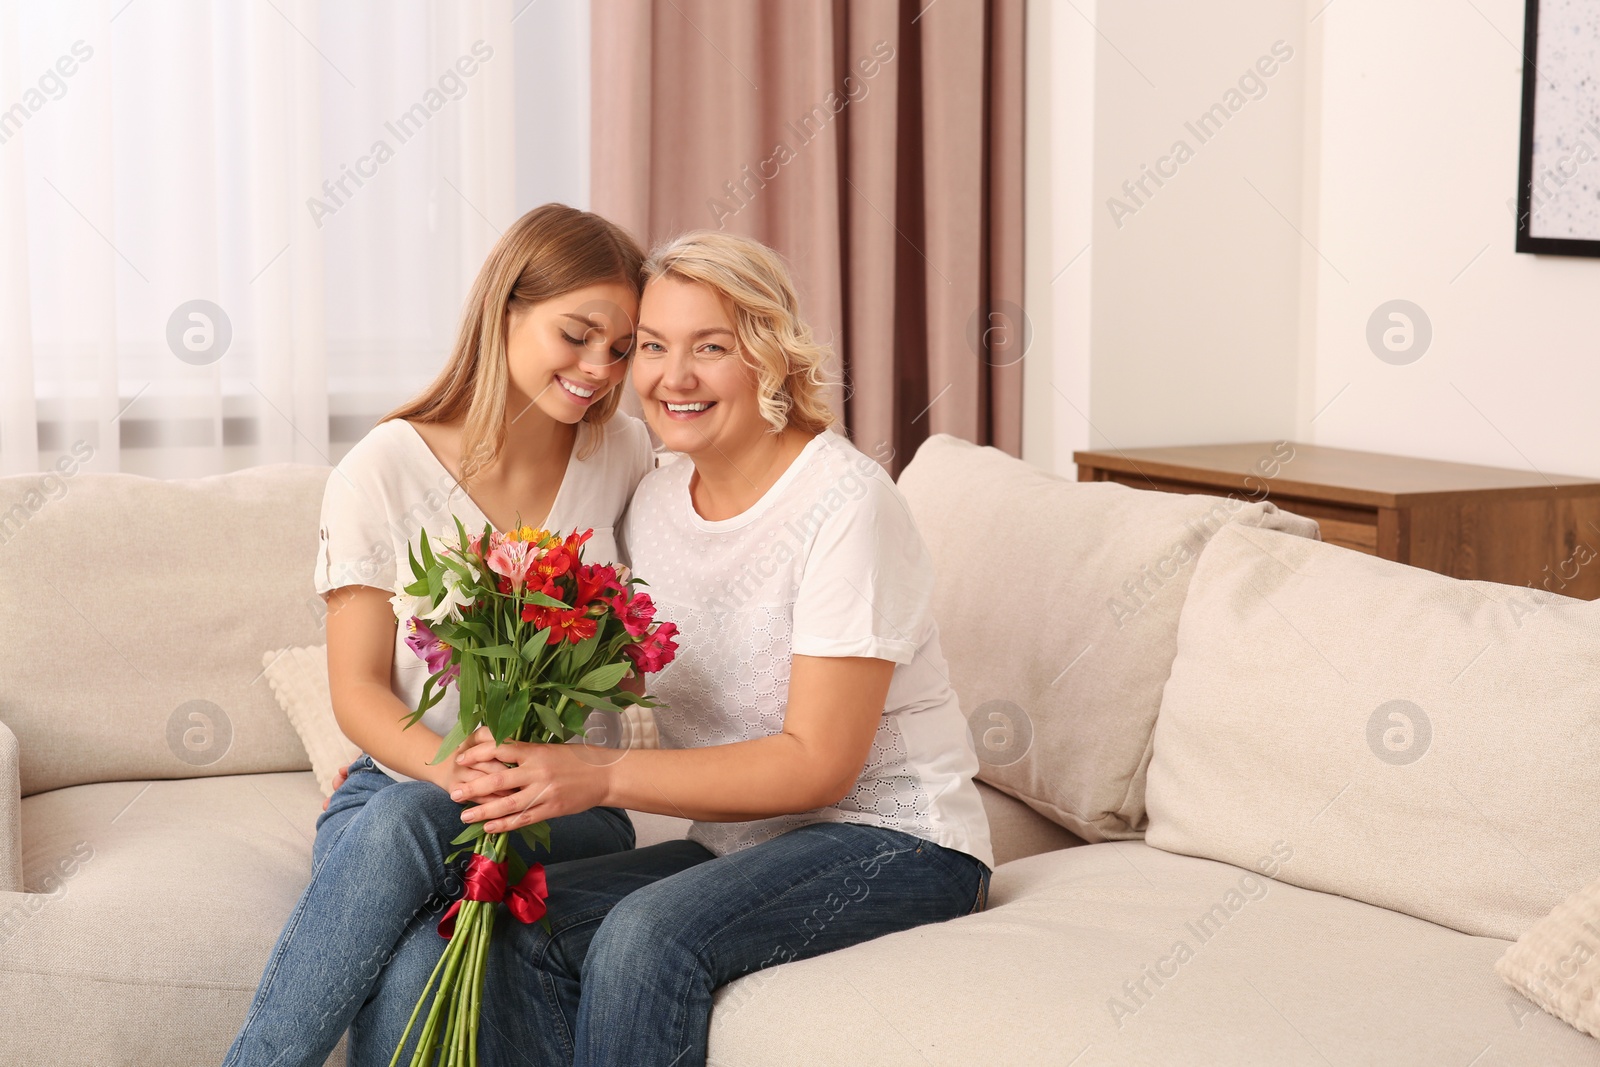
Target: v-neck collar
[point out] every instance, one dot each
(555, 504)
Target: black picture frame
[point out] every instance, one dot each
(1526, 241)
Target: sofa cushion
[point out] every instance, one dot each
(1076, 961)
(1058, 607)
(136, 613)
(153, 908)
(1426, 744)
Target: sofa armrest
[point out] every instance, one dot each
(10, 812)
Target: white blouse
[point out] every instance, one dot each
(827, 563)
(390, 485)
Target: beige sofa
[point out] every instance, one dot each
(1283, 871)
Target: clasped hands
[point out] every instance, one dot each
(525, 782)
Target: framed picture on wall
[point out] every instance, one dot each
(1558, 179)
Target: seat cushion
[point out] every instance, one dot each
(165, 899)
(1078, 956)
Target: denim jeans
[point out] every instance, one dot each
(378, 878)
(640, 940)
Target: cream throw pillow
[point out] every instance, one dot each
(1057, 603)
(299, 679)
(1420, 743)
(1556, 962)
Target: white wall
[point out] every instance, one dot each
(1233, 304)
(1419, 125)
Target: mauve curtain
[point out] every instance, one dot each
(878, 145)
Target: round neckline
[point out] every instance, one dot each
(556, 501)
(766, 500)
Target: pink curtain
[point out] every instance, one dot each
(878, 145)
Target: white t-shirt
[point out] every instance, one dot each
(827, 563)
(390, 485)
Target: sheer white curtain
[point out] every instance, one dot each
(227, 227)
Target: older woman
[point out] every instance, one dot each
(809, 728)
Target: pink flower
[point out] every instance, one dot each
(426, 644)
(513, 560)
(656, 650)
(636, 612)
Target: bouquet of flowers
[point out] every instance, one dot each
(533, 639)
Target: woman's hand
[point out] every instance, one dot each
(544, 781)
(340, 776)
(455, 772)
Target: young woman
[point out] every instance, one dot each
(812, 733)
(520, 428)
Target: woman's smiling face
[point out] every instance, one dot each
(698, 393)
(565, 353)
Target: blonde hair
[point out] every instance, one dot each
(553, 249)
(773, 341)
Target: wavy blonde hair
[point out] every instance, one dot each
(774, 341)
(553, 249)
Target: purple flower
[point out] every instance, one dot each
(426, 644)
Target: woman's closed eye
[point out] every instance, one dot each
(579, 342)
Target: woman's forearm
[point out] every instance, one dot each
(736, 782)
(372, 717)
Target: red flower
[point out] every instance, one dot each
(636, 612)
(551, 564)
(572, 626)
(656, 650)
(595, 580)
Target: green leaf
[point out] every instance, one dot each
(452, 740)
(516, 866)
(572, 718)
(544, 600)
(502, 652)
(469, 682)
(535, 645)
(420, 586)
(548, 718)
(511, 718)
(537, 836)
(593, 700)
(471, 833)
(606, 677)
(492, 705)
(427, 551)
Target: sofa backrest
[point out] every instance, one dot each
(1057, 603)
(136, 614)
(1425, 744)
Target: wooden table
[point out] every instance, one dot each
(1517, 527)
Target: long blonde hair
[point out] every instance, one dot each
(774, 341)
(553, 249)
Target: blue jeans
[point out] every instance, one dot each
(640, 940)
(378, 879)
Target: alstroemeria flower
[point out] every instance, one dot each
(656, 650)
(635, 612)
(455, 598)
(512, 560)
(595, 580)
(572, 626)
(406, 605)
(421, 639)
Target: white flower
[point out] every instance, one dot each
(455, 598)
(407, 606)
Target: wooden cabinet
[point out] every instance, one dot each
(1517, 527)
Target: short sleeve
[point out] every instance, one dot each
(354, 545)
(867, 582)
